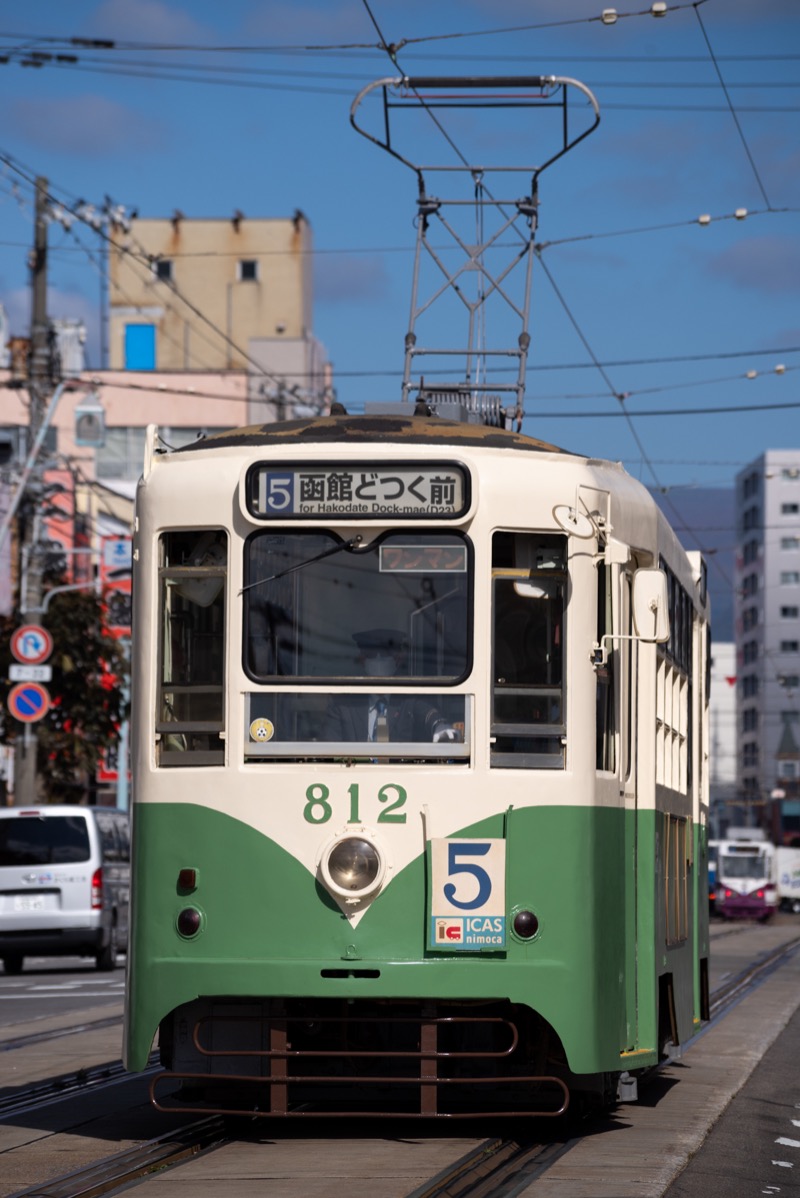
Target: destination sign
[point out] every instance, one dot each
(293, 491)
(422, 559)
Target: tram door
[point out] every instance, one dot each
(628, 727)
(616, 682)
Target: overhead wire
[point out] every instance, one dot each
(385, 47)
(667, 226)
(726, 93)
(158, 70)
(92, 259)
(392, 53)
(253, 49)
(621, 397)
(144, 259)
(542, 245)
(182, 74)
(134, 304)
(725, 410)
(595, 363)
(251, 85)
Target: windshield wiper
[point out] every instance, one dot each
(306, 562)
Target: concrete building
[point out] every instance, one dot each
(723, 787)
(218, 295)
(768, 639)
(209, 329)
(703, 518)
(184, 406)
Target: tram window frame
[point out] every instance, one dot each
(628, 647)
(675, 690)
(607, 674)
(190, 714)
(422, 639)
(676, 878)
(524, 563)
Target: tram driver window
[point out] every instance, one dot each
(309, 594)
(529, 585)
(313, 600)
(190, 718)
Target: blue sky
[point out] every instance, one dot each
(208, 108)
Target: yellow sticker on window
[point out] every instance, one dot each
(262, 729)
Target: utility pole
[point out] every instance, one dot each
(40, 384)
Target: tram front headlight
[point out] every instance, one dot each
(353, 866)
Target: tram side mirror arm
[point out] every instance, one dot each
(650, 609)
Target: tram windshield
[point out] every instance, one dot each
(744, 865)
(313, 601)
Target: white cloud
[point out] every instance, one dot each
(88, 126)
(147, 20)
(770, 265)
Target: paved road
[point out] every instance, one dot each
(52, 986)
(637, 1152)
(754, 1149)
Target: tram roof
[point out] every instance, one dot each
(411, 430)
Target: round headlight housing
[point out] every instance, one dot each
(353, 866)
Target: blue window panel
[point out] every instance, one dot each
(140, 347)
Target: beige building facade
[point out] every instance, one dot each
(209, 328)
(190, 295)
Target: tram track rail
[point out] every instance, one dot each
(57, 1033)
(68, 1085)
(734, 989)
(117, 1172)
(500, 1167)
(503, 1167)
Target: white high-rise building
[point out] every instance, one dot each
(768, 638)
(722, 755)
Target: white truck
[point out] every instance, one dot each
(787, 878)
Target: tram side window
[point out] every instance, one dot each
(529, 584)
(676, 879)
(674, 697)
(190, 717)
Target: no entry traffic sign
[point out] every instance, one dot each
(28, 701)
(31, 644)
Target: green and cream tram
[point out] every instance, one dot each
(419, 769)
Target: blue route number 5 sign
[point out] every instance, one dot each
(468, 895)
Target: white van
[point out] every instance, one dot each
(64, 883)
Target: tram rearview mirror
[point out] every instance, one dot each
(651, 605)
